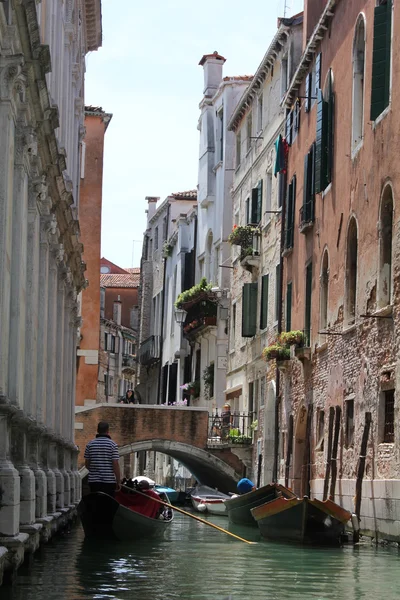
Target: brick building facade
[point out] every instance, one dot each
(341, 254)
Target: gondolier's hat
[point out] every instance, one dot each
(245, 485)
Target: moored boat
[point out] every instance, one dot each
(239, 507)
(172, 494)
(302, 520)
(126, 517)
(206, 499)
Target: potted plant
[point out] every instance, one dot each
(292, 338)
(200, 290)
(276, 351)
(167, 249)
(241, 235)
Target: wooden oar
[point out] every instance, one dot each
(188, 515)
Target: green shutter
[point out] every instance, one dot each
(318, 74)
(307, 104)
(247, 211)
(321, 144)
(330, 129)
(254, 206)
(289, 307)
(264, 301)
(290, 210)
(306, 187)
(381, 59)
(259, 200)
(249, 309)
(307, 317)
(278, 297)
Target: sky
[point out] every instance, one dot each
(147, 75)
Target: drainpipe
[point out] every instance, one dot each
(162, 313)
(280, 318)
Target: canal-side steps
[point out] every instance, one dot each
(15, 549)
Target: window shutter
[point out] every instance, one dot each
(247, 211)
(287, 225)
(318, 79)
(290, 213)
(254, 206)
(249, 309)
(297, 116)
(381, 59)
(289, 307)
(264, 301)
(288, 127)
(321, 143)
(307, 103)
(259, 200)
(306, 187)
(330, 129)
(307, 319)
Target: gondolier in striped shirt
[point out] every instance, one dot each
(102, 462)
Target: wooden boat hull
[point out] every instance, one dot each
(239, 508)
(302, 520)
(212, 505)
(103, 517)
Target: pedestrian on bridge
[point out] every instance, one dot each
(102, 462)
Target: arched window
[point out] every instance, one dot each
(351, 272)
(323, 302)
(358, 83)
(385, 248)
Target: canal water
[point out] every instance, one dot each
(197, 562)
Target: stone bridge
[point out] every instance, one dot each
(180, 432)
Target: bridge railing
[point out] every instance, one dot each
(235, 428)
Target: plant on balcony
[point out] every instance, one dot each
(177, 403)
(208, 380)
(276, 351)
(292, 338)
(241, 235)
(235, 437)
(197, 291)
(246, 252)
(192, 388)
(167, 249)
(192, 325)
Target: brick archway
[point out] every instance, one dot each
(181, 433)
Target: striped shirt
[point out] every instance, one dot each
(101, 452)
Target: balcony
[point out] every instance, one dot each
(306, 220)
(128, 361)
(149, 351)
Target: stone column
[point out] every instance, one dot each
(62, 450)
(59, 352)
(68, 468)
(9, 481)
(27, 478)
(33, 351)
(67, 430)
(10, 73)
(16, 365)
(53, 459)
(42, 364)
(51, 343)
(44, 450)
(40, 475)
(77, 477)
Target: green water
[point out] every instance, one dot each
(197, 562)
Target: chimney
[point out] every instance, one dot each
(152, 202)
(212, 65)
(313, 10)
(117, 311)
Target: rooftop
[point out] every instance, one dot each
(188, 195)
(119, 280)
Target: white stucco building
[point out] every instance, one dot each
(257, 122)
(42, 64)
(216, 166)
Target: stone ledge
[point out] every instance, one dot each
(16, 550)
